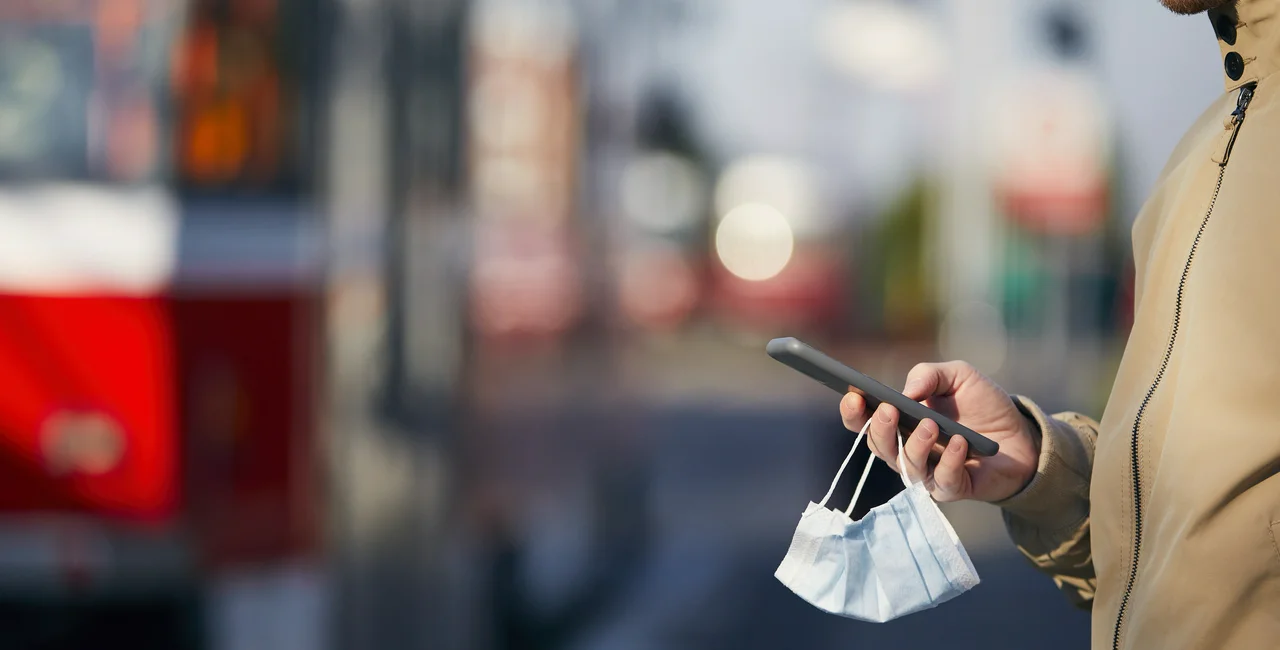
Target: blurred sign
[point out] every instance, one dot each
(79, 89)
(523, 151)
(663, 197)
(240, 114)
(525, 281)
(45, 80)
(523, 104)
(1053, 148)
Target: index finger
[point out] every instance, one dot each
(882, 435)
(853, 410)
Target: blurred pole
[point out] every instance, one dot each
(1058, 313)
(356, 206)
(396, 339)
(428, 340)
(966, 236)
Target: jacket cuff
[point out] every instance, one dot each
(1057, 498)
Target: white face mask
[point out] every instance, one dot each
(903, 557)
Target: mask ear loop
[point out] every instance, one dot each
(902, 468)
(866, 471)
(902, 464)
(836, 480)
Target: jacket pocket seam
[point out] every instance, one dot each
(1275, 544)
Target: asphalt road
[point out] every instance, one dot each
(687, 511)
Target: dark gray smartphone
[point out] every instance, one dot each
(843, 379)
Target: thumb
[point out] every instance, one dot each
(934, 379)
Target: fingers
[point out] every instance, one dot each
(918, 448)
(949, 476)
(930, 379)
(882, 435)
(853, 411)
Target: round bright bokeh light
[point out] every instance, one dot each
(754, 241)
(662, 193)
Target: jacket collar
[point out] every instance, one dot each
(1249, 38)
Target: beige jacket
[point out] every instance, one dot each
(1165, 517)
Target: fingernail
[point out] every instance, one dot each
(953, 448)
(912, 386)
(882, 414)
(928, 433)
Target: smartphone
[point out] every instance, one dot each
(843, 379)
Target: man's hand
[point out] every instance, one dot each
(958, 391)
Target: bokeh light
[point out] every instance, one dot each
(754, 241)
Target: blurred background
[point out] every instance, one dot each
(440, 323)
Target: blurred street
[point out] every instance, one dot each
(685, 495)
(440, 325)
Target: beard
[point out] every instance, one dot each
(1188, 7)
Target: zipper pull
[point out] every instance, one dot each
(1234, 122)
(1242, 103)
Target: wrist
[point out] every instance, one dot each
(1030, 429)
(1057, 497)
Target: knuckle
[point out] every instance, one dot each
(874, 446)
(884, 439)
(915, 461)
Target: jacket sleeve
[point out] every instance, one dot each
(1049, 519)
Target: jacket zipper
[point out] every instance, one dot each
(1242, 104)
